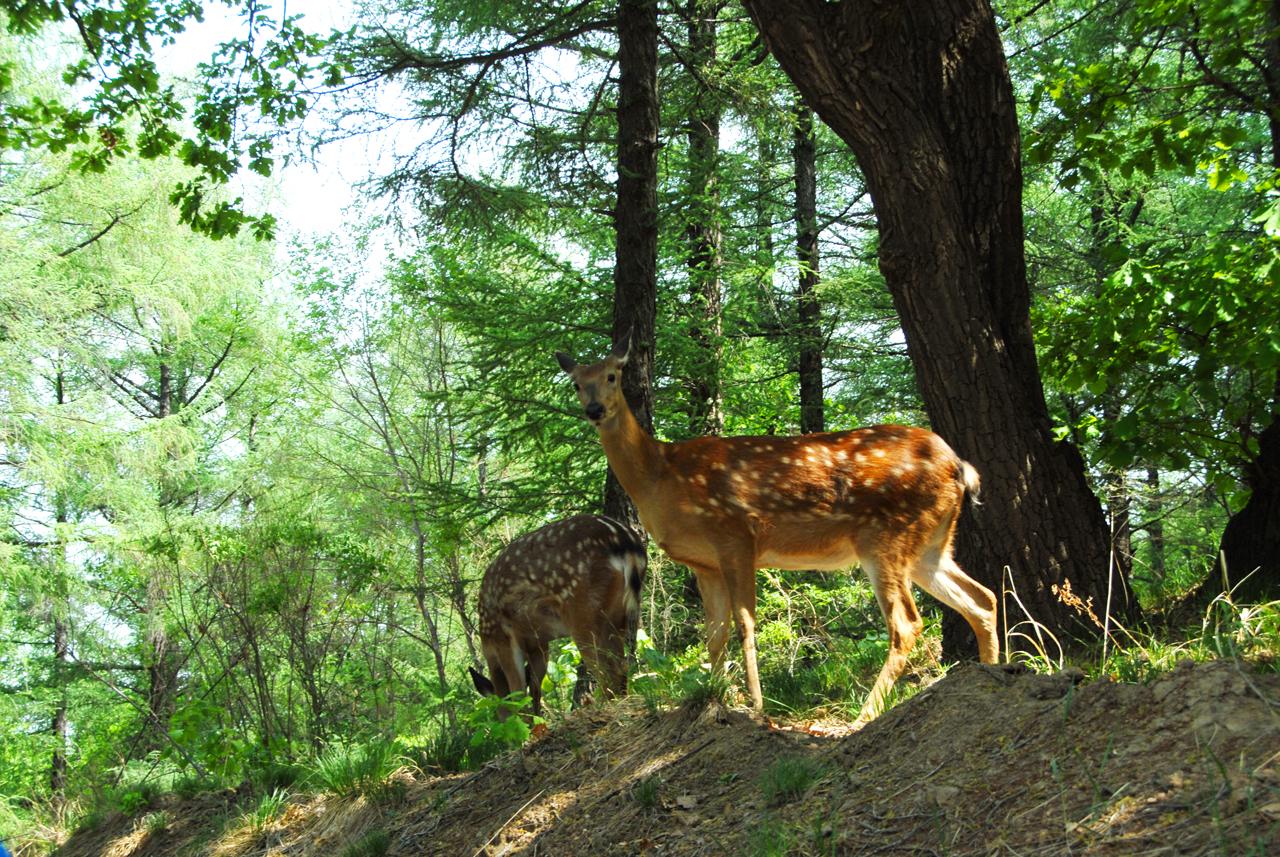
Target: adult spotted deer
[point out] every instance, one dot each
(885, 497)
(579, 578)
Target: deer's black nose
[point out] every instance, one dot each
(595, 411)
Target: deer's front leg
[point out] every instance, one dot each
(716, 602)
(893, 592)
(740, 573)
(537, 655)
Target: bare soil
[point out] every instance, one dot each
(987, 761)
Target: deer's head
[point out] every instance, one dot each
(599, 385)
(485, 687)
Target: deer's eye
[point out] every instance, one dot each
(611, 378)
(577, 386)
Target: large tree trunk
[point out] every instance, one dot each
(1250, 546)
(921, 93)
(1249, 554)
(635, 273)
(808, 311)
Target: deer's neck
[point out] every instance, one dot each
(635, 457)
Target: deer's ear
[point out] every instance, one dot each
(622, 350)
(567, 363)
(483, 685)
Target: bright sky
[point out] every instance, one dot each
(313, 197)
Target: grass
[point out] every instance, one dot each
(646, 791)
(771, 839)
(702, 687)
(266, 810)
(680, 680)
(774, 838)
(443, 751)
(1227, 630)
(352, 769)
(789, 778)
(156, 822)
(276, 776)
(375, 843)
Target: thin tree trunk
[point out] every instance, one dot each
(764, 215)
(702, 230)
(635, 273)
(921, 93)
(1115, 481)
(809, 312)
(458, 597)
(1155, 529)
(61, 641)
(1118, 499)
(428, 616)
(161, 655)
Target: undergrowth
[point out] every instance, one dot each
(352, 769)
(266, 810)
(805, 668)
(1226, 630)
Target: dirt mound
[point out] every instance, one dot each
(989, 760)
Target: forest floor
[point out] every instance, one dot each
(988, 760)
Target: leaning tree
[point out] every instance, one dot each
(921, 93)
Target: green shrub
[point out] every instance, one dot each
(190, 785)
(277, 776)
(675, 679)
(156, 822)
(131, 800)
(1227, 630)
(490, 735)
(443, 750)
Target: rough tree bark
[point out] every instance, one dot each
(1249, 553)
(159, 650)
(921, 93)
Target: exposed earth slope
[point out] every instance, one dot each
(989, 760)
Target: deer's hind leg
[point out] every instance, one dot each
(601, 646)
(949, 584)
(938, 574)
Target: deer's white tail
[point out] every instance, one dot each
(972, 483)
(634, 561)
